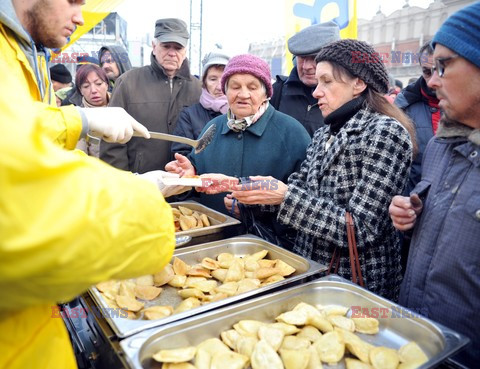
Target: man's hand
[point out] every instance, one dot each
(404, 211)
(181, 166)
(113, 124)
(262, 190)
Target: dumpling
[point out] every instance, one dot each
(411, 352)
(366, 325)
(295, 359)
(245, 345)
(248, 327)
(294, 317)
(235, 272)
(128, 303)
(187, 304)
(230, 360)
(342, 322)
(310, 333)
(384, 358)
(283, 268)
(157, 312)
(295, 343)
(273, 336)
(180, 267)
(212, 346)
(355, 345)
(164, 276)
(330, 347)
(265, 357)
(230, 338)
(180, 355)
(147, 292)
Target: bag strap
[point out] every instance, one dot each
(352, 249)
(335, 262)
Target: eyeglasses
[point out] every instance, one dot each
(427, 72)
(440, 64)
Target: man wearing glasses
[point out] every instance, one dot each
(443, 210)
(420, 103)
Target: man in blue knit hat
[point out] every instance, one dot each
(442, 279)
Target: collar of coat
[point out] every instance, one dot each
(258, 128)
(450, 129)
(183, 72)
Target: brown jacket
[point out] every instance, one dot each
(145, 94)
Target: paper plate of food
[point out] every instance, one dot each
(183, 181)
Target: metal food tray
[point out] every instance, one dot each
(238, 246)
(437, 341)
(217, 220)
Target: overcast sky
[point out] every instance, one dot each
(232, 24)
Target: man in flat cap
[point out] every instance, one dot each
(154, 95)
(292, 95)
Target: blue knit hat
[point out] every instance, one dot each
(461, 33)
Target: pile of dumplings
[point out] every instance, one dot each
(210, 280)
(303, 338)
(186, 219)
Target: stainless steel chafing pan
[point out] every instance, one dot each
(238, 246)
(397, 328)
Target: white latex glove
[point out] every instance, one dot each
(113, 124)
(156, 177)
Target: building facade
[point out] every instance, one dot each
(398, 37)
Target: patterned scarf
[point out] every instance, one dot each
(238, 125)
(218, 104)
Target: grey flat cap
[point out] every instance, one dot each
(171, 30)
(310, 40)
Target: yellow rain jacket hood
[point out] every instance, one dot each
(67, 221)
(27, 62)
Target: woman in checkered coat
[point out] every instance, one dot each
(356, 163)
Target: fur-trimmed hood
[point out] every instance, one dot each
(449, 129)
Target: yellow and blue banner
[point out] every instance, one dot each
(93, 12)
(304, 13)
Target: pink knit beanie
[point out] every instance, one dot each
(249, 64)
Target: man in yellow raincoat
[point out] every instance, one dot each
(67, 221)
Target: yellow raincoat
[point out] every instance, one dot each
(67, 220)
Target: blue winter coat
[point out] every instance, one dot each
(442, 279)
(191, 121)
(411, 101)
(291, 96)
(274, 146)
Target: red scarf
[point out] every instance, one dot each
(432, 103)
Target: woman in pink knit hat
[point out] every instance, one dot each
(251, 138)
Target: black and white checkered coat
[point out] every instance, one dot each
(365, 166)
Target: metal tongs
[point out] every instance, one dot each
(199, 145)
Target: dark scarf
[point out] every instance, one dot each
(337, 119)
(430, 98)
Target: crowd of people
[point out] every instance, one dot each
(333, 137)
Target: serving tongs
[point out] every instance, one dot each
(199, 145)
